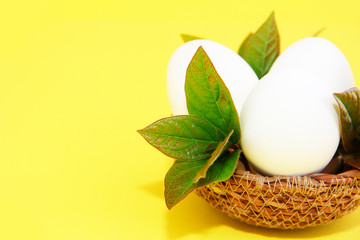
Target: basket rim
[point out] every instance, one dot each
(349, 172)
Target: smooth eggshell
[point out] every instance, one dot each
(289, 123)
(237, 75)
(321, 56)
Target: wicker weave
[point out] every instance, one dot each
(285, 202)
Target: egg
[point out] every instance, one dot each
(289, 123)
(322, 56)
(237, 75)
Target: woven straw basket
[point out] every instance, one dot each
(286, 202)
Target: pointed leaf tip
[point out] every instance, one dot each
(188, 37)
(183, 137)
(262, 48)
(208, 97)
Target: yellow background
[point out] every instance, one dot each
(78, 78)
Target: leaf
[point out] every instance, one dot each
(263, 47)
(183, 137)
(207, 96)
(352, 160)
(244, 45)
(319, 32)
(221, 147)
(349, 114)
(179, 180)
(188, 38)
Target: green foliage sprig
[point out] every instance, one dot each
(199, 142)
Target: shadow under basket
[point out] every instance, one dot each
(286, 202)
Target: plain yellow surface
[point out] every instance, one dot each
(78, 78)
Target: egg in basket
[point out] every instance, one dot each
(269, 139)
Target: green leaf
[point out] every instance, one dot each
(222, 146)
(349, 105)
(179, 180)
(183, 137)
(319, 32)
(263, 47)
(208, 97)
(188, 38)
(244, 45)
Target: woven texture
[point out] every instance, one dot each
(285, 202)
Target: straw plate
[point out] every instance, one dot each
(286, 202)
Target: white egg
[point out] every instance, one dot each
(322, 56)
(289, 123)
(237, 75)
